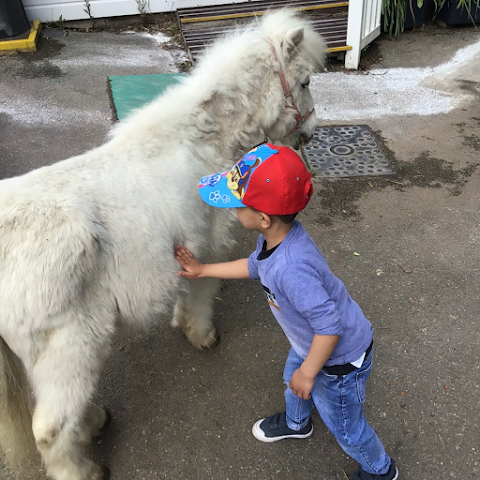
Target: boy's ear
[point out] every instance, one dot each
(266, 220)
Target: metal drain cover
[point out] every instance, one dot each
(345, 152)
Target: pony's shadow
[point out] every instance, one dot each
(156, 382)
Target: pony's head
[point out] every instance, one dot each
(298, 52)
(250, 85)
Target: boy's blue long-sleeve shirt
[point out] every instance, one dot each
(307, 299)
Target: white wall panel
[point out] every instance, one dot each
(51, 10)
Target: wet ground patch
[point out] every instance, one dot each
(37, 64)
(43, 68)
(339, 196)
(47, 48)
(471, 141)
(470, 87)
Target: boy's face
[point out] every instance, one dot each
(249, 218)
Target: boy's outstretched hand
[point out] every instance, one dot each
(192, 267)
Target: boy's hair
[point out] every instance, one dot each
(286, 219)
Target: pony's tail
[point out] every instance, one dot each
(16, 436)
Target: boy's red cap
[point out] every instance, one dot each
(269, 178)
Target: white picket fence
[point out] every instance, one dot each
(364, 24)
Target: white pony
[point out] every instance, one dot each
(86, 245)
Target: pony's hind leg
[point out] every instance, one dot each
(63, 378)
(193, 313)
(16, 437)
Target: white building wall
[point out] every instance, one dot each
(51, 10)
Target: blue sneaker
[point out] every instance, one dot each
(392, 474)
(274, 428)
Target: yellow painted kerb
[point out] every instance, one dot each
(26, 44)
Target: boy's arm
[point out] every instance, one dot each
(194, 269)
(320, 351)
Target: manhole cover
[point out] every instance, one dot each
(345, 152)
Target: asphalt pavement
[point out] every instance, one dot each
(406, 246)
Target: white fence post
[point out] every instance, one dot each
(364, 17)
(354, 32)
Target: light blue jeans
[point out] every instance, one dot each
(339, 402)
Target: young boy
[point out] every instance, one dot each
(331, 355)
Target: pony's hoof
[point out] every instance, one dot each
(214, 344)
(202, 340)
(106, 473)
(108, 420)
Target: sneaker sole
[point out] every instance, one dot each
(382, 476)
(259, 434)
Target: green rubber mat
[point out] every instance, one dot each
(132, 91)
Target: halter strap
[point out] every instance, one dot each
(289, 103)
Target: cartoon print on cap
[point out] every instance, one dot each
(210, 180)
(229, 189)
(214, 196)
(238, 177)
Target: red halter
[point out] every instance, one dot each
(289, 103)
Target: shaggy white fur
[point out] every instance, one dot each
(87, 244)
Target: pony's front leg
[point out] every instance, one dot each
(63, 378)
(193, 313)
(94, 421)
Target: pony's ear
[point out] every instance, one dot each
(292, 40)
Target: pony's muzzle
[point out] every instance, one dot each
(304, 138)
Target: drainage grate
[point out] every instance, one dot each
(345, 152)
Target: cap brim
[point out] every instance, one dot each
(214, 190)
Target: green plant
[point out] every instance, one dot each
(56, 25)
(143, 6)
(467, 5)
(88, 11)
(394, 14)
